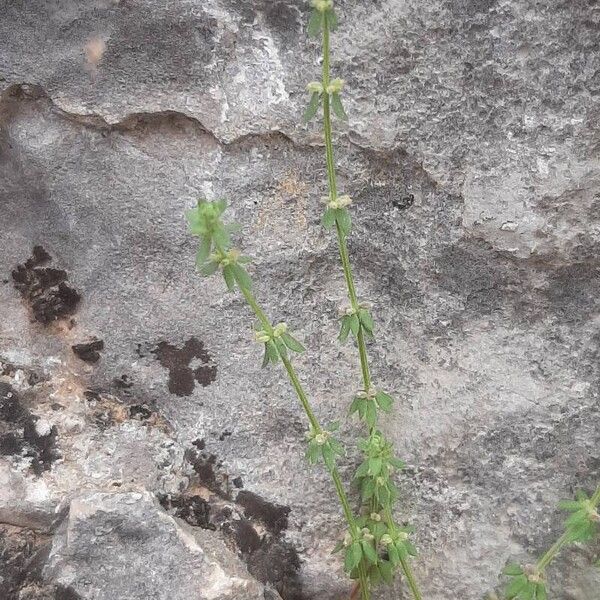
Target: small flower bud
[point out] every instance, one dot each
(315, 87)
(380, 481)
(321, 438)
(347, 539)
(375, 517)
(335, 87)
(386, 539)
(402, 536)
(322, 5)
(279, 329)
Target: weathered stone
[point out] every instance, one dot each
(123, 545)
(471, 154)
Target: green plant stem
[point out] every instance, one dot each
(563, 540)
(345, 259)
(410, 578)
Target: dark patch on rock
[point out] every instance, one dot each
(404, 202)
(237, 482)
(180, 364)
(66, 593)
(277, 562)
(573, 291)
(273, 516)
(19, 436)
(245, 536)
(140, 411)
(206, 467)
(224, 434)
(194, 510)
(123, 382)
(88, 351)
(45, 288)
(200, 444)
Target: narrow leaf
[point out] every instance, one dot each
(354, 324)
(242, 277)
(292, 343)
(369, 552)
(203, 251)
(312, 108)
(229, 277)
(345, 330)
(338, 108)
(314, 24)
(328, 219)
(209, 268)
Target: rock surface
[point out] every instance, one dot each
(472, 155)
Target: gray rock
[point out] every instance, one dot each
(123, 545)
(472, 156)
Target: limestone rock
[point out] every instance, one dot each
(123, 545)
(471, 154)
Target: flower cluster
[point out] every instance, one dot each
(366, 403)
(277, 342)
(356, 320)
(214, 251)
(322, 445)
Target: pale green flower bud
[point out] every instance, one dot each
(335, 86)
(322, 5)
(315, 87)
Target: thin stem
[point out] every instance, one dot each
(563, 540)
(410, 578)
(553, 551)
(352, 296)
(405, 565)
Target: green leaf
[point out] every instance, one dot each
(272, 351)
(384, 401)
(354, 324)
(410, 548)
(515, 586)
(369, 551)
(203, 251)
(281, 349)
(242, 277)
(338, 547)
(370, 413)
(314, 24)
(386, 570)
(332, 21)
(313, 453)
(393, 554)
(328, 219)
(355, 405)
(513, 570)
(221, 238)
(229, 277)
(570, 505)
(328, 456)
(353, 556)
(396, 463)
(338, 108)
(345, 330)
(375, 465)
(266, 360)
(342, 217)
(292, 343)
(362, 470)
(540, 593)
(366, 319)
(209, 268)
(312, 108)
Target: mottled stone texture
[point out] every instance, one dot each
(472, 155)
